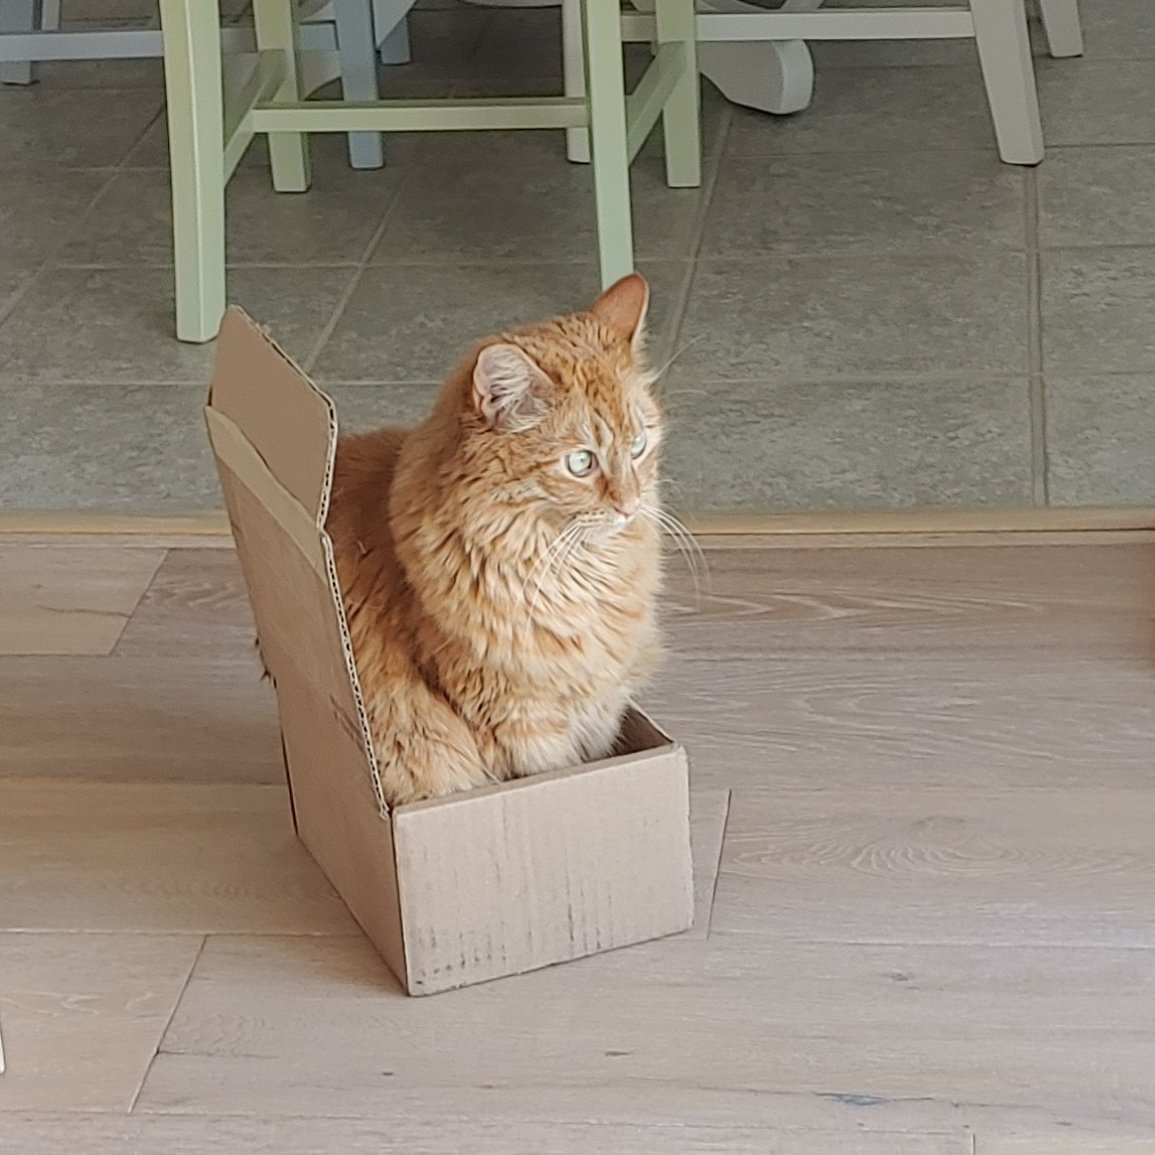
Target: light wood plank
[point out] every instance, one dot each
(790, 1034)
(157, 858)
(98, 523)
(83, 1015)
(1039, 867)
(1066, 1145)
(61, 600)
(166, 718)
(932, 719)
(174, 1135)
(196, 606)
(1076, 600)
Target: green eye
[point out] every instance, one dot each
(580, 463)
(639, 445)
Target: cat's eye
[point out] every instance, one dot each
(580, 463)
(639, 445)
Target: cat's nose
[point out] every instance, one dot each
(627, 506)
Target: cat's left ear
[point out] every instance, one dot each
(623, 307)
(509, 387)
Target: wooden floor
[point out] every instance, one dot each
(924, 823)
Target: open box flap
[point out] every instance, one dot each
(274, 436)
(290, 423)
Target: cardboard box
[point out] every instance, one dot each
(487, 883)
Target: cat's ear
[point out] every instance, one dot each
(509, 388)
(623, 307)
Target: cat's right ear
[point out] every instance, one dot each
(509, 388)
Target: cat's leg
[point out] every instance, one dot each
(424, 750)
(534, 739)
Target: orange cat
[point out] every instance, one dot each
(500, 562)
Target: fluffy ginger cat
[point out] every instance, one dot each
(500, 562)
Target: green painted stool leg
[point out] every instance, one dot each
(681, 118)
(192, 69)
(606, 94)
(275, 22)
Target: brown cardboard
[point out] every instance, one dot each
(459, 890)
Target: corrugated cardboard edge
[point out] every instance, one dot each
(234, 449)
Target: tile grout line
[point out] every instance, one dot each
(167, 1023)
(713, 170)
(1036, 386)
(359, 271)
(47, 265)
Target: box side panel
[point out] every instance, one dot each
(287, 420)
(338, 821)
(297, 621)
(506, 881)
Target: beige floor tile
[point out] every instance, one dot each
(332, 223)
(156, 858)
(108, 447)
(71, 126)
(413, 323)
(1101, 440)
(47, 607)
(1098, 311)
(875, 110)
(82, 1016)
(454, 212)
(116, 325)
(1097, 196)
(1095, 102)
(854, 316)
(38, 206)
(362, 407)
(950, 442)
(851, 203)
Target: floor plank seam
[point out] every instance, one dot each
(718, 864)
(168, 1023)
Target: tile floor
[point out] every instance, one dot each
(872, 311)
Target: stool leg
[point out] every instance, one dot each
(358, 52)
(681, 117)
(192, 74)
(1062, 26)
(275, 22)
(1008, 71)
(19, 16)
(577, 140)
(606, 96)
(391, 25)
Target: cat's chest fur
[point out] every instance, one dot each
(573, 630)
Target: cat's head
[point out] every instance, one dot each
(561, 415)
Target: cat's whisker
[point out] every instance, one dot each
(679, 530)
(554, 557)
(544, 563)
(685, 543)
